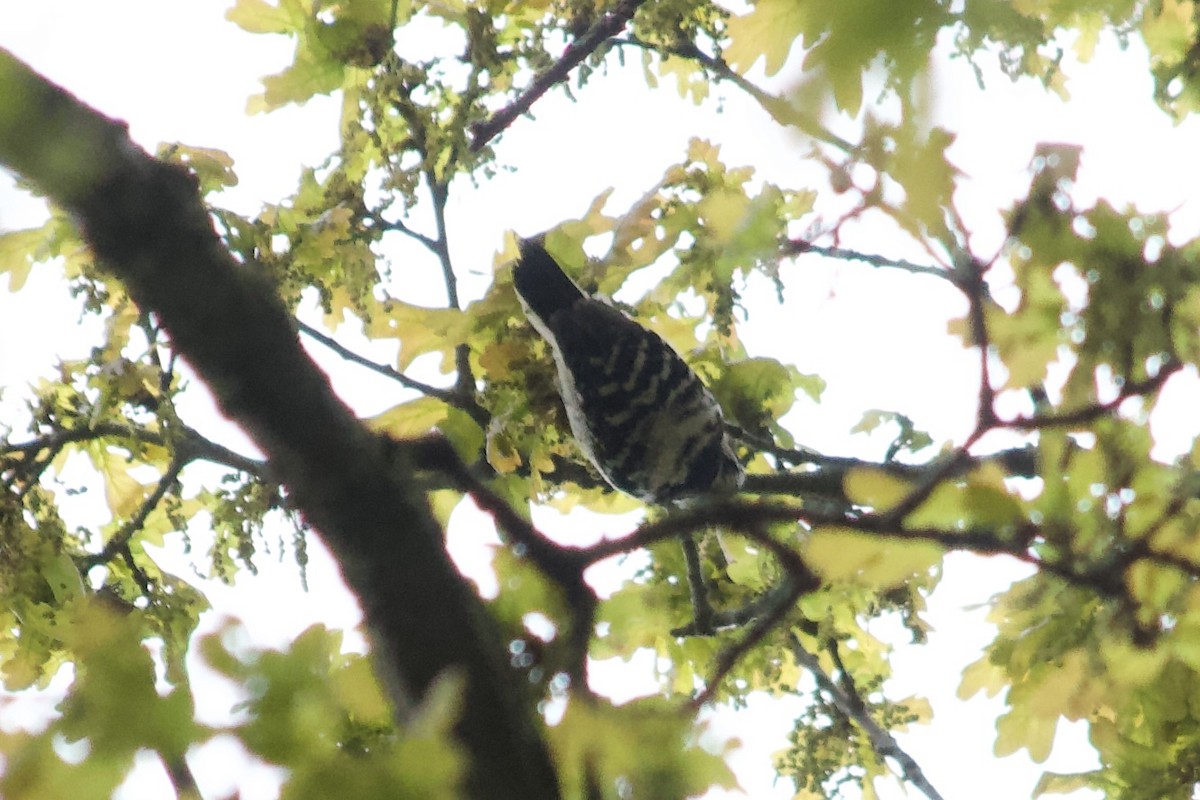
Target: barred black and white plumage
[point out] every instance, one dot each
(638, 412)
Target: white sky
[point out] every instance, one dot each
(179, 72)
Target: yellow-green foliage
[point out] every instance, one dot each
(1107, 631)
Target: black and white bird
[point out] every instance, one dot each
(637, 410)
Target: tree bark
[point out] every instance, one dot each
(146, 223)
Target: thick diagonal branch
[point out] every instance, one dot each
(145, 221)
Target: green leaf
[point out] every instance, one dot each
(123, 492)
(410, 419)
(920, 164)
(502, 453)
(320, 714)
(838, 554)
(17, 255)
(33, 769)
(114, 703)
(1064, 783)
(421, 330)
(1021, 730)
(213, 167)
(843, 40)
(746, 565)
(308, 76)
(644, 744)
(464, 433)
(907, 439)
(360, 33)
(981, 675)
(875, 488)
(769, 31)
(63, 577)
(633, 618)
(758, 391)
(258, 16)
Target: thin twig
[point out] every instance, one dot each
(794, 586)
(139, 575)
(771, 103)
(120, 540)
(796, 247)
(1079, 416)
(750, 521)
(791, 455)
(464, 384)
(749, 517)
(400, 227)
(196, 445)
(972, 284)
(1174, 560)
(575, 53)
(383, 369)
(702, 610)
(942, 470)
(737, 617)
(434, 452)
(969, 279)
(983, 541)
(192, 445)
(441, 195)
(467, 101)
(741, 515)
(53, 442)
(563, 565)
(844, 677)
(830, 471)
(467, 404)
(882, 742)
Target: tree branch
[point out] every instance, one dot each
(182, 779)
(399, 226)
(563, 565)
(120, 540)
(146, 223)
(702, 610)
(779, 107)
(450, 398)
(882, 742)
(1089, 413)
(797, 247)
(194, 445)
(464, 384)
(774, 609)
(825, 479)
(190, 445)
(969, 279)
(737, 617)
(750, 520)
(576, 52)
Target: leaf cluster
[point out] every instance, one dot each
(784, 591)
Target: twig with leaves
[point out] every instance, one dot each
(606, 28)
(850, 704)
(447, 396)
(797, 247)
(563, 565)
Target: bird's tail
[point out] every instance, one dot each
(540, 281)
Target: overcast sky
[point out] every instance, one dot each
(179, 72)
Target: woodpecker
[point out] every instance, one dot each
(637, 411)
